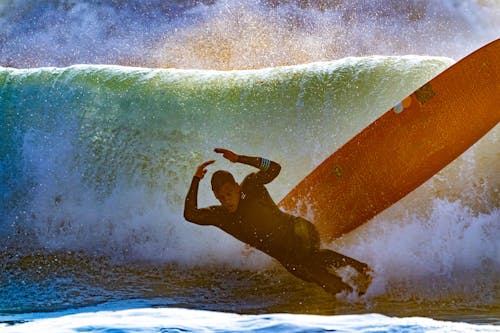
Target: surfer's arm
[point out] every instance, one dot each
(268, 169)
(203, 216)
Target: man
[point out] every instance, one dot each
(248, 213)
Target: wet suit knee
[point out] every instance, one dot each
(307, 247)
(310, 264)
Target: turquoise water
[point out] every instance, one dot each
(95, 161)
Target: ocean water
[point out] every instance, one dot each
(106, 112)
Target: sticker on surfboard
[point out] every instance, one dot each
(405, 103)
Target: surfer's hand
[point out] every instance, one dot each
(227, 154)
(201, 170)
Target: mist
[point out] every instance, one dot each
(237, 35)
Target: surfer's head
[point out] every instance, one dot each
(226, 190)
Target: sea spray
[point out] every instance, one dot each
(230, 34)
(99, 157)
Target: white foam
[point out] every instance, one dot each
(175, 319)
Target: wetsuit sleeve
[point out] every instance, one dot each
(268, 169)
(202, 216)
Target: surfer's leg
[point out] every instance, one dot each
(305, 258)
(299, 271)
(330, 282)
(307, 244)
(337, 260)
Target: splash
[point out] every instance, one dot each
(231, 34)
(441, 241)
(98, 158)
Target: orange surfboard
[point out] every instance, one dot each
(403, 148)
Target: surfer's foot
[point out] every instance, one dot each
(364, 280)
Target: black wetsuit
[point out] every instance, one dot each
(258, 221)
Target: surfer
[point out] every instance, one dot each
(248, 213)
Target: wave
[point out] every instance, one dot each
(124, 139)
(98, 159)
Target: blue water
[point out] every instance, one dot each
(110, 318)
(96, 158)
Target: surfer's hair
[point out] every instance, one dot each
(221, 177)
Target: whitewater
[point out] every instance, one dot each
(96, 158)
